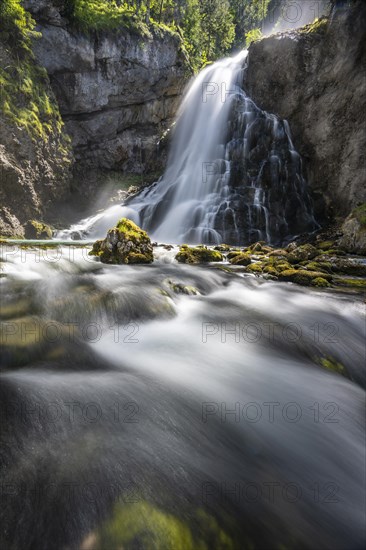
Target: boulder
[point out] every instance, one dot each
(124, 244)
(197, 255)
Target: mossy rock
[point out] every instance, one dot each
(254, 268)
(320, 282)
(279, 252)
(325, 245)
(352, 283)
(270, 270)
(233, 253)
(240, 259)
(223, 247)
(257, 247)
(348, 267)
(302, 277)
(335, 252)
(34, 229)
(324, 267)
(126, 243)
(143, 525)
(197, 255)
(281, 265)
(181, 288)
(302, 253)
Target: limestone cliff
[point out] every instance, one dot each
(35, 153)
(114, 93)
(315, 78)
(118, 91)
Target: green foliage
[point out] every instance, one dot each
(25, 96)
(252, 36)
(16, 24)
(319, 25)
(98, 15)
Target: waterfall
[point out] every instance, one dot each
(233, 174)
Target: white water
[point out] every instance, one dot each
(239, 340)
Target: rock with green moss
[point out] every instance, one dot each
(302, 277)
(143, 525)
(324, 267)
(240, 259)
(271, 270)
(320, 282)
(351, 283)
(354, 231)
(233, 253)
(34, 229)
(254, 268)
(124, 244)
(223, 247)
(197, 255)
(302, 253)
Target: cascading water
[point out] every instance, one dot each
(233, 174)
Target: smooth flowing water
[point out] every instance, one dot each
(176, 407)
(233, 174)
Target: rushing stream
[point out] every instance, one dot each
(185, 402)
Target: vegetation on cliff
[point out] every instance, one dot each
(209, 28)
(26, 97)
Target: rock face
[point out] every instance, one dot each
(117, 91)
(315, 80)
(124, 244)
(354, 231)
(34, 171)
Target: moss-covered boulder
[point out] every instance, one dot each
(197, 255)
(303, 277)
(233, 253)
(124, 244)
(254, 268)
(240, 259)
(302, 253)
(354, 231)
(34, 229)
(320, 282)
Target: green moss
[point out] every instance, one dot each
(254, 268)
(240, 259)
(281, 265)
(197, 255)
(142, 525)
(324, 267)
(353, 283)
(319, 26)
(232, 254)
(270, 270)
(331, 364)
(360, 214)
(26, 98)
(302, 277)
(302, 253)
(37, 230)
(126, 243)
(325, 245)
(320, 282)
(223, 247)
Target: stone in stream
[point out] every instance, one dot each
(125, 243)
